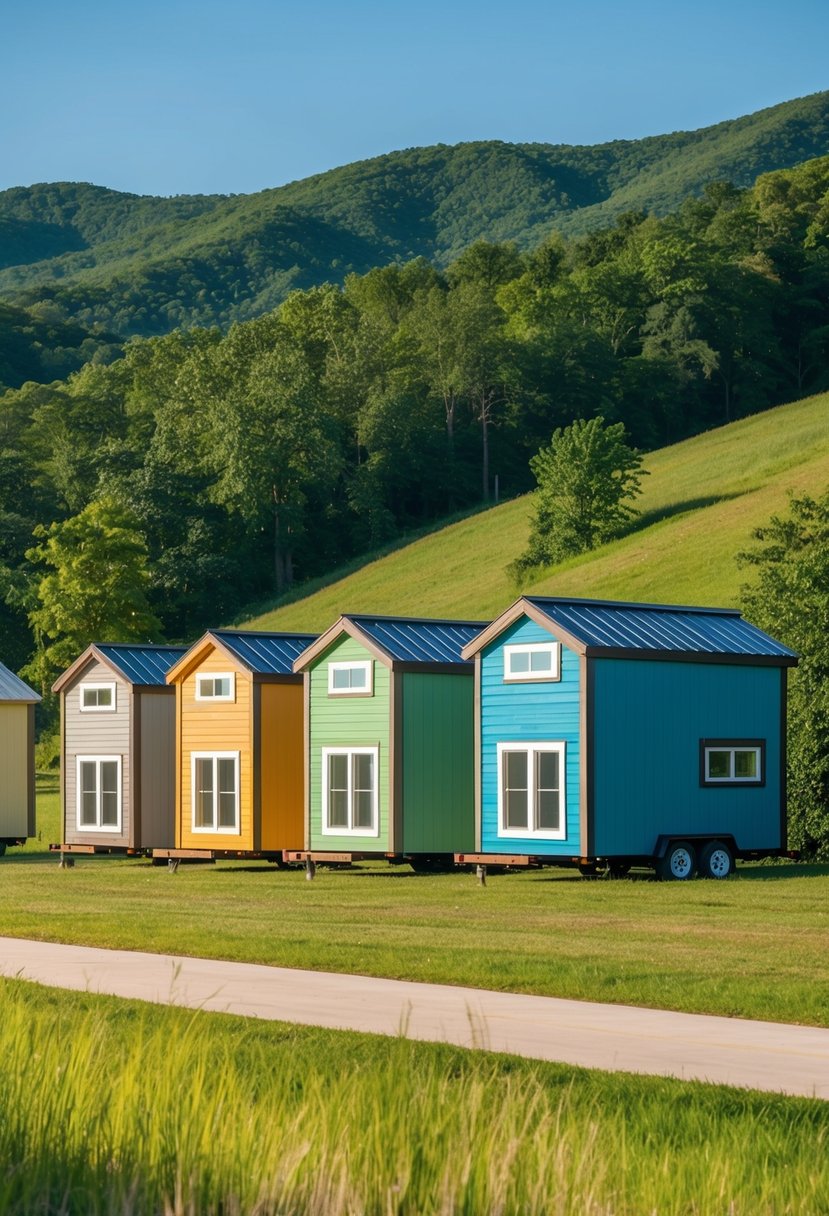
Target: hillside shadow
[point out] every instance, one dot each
(647, 518)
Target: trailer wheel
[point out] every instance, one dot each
(716, 860)
(679, 862)
(618, 869)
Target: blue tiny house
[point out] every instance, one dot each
(610, 734)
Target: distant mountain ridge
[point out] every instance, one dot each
(143, 265)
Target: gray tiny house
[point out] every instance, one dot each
(118, 719)
(17, 759)
(616, 734)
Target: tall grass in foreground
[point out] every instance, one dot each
(113, 1107)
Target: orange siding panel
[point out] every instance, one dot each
(283, 767)
(220, 726)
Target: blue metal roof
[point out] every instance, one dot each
(659, 627)
(269, 654)
(142, 664)
(12, 688)
(418, 640)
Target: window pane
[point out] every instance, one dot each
(104, 696)
(338, 808)
(204, 792)
(519, 662)
(363, 809)
(548, 791)
(109, 793)
(339, 677)
(541, 660)
(515, 790)
(363, 772)
(227, 791)
(719, 764)
(745, 765)
(88, 794)
(338, 772)
(221, 686)
(358, 677)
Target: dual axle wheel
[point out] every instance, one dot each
(715, 860)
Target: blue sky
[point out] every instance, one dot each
(188, 96)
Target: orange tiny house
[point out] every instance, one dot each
(240, 783)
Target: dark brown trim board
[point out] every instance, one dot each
(784, 760)
(478, 756)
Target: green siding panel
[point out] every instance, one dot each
(438, 763)
(348, 722)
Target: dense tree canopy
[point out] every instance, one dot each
(351, 414)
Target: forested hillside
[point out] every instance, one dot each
(141, 265)
(202, 471)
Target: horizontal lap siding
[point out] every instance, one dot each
(349, 722)
(438, 763)
(531, 712)
(649, 719)
(96, 734)
(282, 764)
(16, 767)
(217, 726)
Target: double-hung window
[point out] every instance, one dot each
(532, 661)
(732, 761)
(531, 790)
(215, 686)
(350, 679)
(99, 793)
(215, 785)
(98, 698)
(349, 791)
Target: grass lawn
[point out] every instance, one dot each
(753, 946)
(699, 505)
(112, 1106)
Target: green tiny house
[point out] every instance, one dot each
(389, 737)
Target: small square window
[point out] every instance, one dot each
(350, 679)
(98, 698)
(534, 661)
(732, 762)
(216, 686)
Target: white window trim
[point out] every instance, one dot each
(375, 802)
(214, 756)
(520, 677)
(107, 828)
(532, 747)
(367, 665)
(731, 779)
(215, 675)
(99, 709)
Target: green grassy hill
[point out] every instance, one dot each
(700, 503)
(142, 265)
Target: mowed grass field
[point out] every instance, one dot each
(753, 946)
(699, 505)
(116, 1107)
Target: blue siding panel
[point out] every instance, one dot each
(528, 712)
(649, 719)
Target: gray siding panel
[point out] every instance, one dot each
(96, 734)
(156, 828)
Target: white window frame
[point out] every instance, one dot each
(97, 686)
(375, 802)
(216, 830)
(732, 749)
(215, 675)
(532, 747)
(551, 648)
(366, 665)
(108, 828)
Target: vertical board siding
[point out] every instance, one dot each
(349, 722)
(217, 726)
(15, 766)
(97, 734)
(438, 759)
(649, 719)
(155, 818)
(531, 712)
(282, 768)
